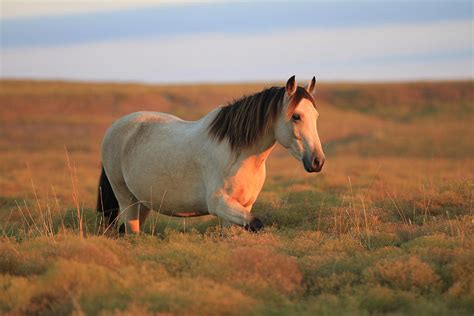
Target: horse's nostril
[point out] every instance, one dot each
(316, 162)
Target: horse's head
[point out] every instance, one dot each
(296, 127)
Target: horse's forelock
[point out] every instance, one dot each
(300, 94)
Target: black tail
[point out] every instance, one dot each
(106, 201)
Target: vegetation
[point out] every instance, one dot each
(386, 228)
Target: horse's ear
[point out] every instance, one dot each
(291, 85)
(311, 86)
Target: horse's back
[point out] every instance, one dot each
(128, 131)
(135, 125)
(150, 117)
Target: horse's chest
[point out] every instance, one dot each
(246, 186)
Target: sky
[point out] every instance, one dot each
(220, 41)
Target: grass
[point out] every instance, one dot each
(387, 228)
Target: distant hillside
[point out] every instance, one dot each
(404, 101)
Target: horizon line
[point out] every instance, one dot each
(233, 82)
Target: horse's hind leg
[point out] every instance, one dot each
(134, 217)
(130, 208)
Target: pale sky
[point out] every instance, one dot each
(32, 8)
(156, 41)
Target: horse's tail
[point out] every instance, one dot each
(107, 203)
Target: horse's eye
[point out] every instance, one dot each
(296, 118)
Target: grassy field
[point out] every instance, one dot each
(386, 228)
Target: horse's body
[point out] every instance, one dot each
(171, 164)
(158, 161)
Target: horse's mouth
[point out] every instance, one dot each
(315, 170)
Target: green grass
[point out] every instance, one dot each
(313, 258)
(230, 272)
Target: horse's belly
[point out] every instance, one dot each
(183, 202)
(172, 196)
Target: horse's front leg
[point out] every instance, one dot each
(230, 210)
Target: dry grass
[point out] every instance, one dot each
(386, 228)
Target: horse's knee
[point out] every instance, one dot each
(254, 226)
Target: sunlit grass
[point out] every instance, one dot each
(386, 228)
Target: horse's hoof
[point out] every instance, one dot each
(122, 230)
(254, 226)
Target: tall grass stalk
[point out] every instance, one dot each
(75, 193)
(366, 223)
(399, 210)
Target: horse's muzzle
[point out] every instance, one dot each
(313, 164)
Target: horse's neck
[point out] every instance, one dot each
(260, 151)
(257, 153)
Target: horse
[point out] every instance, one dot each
(214, 165)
